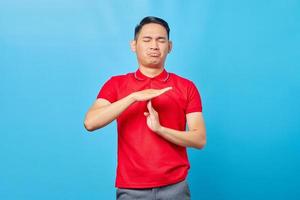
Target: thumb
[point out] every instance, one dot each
(146, 114)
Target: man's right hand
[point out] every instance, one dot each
(148, 94)
(103, 112)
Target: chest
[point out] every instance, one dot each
(172, 102)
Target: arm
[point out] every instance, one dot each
(194, 137)
(103, 112)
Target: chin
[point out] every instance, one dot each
(154, 65)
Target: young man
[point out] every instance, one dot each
(152, 108)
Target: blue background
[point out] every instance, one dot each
(242, 55)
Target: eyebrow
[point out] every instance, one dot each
(158, 38)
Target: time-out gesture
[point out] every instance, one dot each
(103, 112)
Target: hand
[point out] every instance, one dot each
(149, 94)
(152, 118)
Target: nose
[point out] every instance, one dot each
(154, 45)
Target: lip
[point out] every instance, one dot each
(153, 54)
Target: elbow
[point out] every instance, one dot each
(91, 126)
(200, 145)
(88, 126)
(201, 141)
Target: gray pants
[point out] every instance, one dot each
(178, 191)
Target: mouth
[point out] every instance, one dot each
(153, 54)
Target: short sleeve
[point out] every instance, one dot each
(108, 91)
(194, 103)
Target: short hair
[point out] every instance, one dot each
(148, 20)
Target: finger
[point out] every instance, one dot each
(156, 92)
(149, 105)
(166, 89)
(150, 108)
(161, 91)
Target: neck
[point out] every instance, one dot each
(151, 72)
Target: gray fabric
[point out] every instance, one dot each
(178, 191)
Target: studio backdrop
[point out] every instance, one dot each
(243, 56)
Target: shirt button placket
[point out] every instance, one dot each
(150, 83)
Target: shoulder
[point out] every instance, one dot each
(118, 82)
(181, 79)
(121, 78)
(185, 85)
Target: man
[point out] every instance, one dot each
(152, 107)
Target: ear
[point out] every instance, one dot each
(133, 45)
(170, 46)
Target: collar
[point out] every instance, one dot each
(163, 76)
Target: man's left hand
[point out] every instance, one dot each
(152, 118)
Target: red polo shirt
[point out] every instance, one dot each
(145, 159)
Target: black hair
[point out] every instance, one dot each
(148, 20)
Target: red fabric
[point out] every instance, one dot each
(145, 159)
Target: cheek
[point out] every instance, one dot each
(141, 49)
(164, 48)
(141, 54)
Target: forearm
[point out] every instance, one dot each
(193, 138)
(100, 117)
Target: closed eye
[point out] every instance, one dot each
(147, 39)
(162, 40)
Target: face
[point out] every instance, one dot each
(152, 46)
